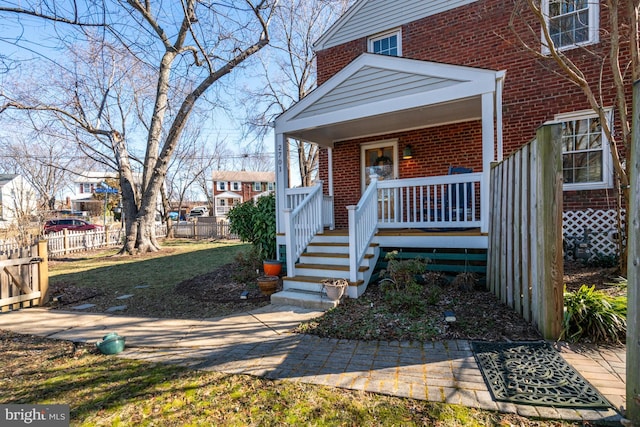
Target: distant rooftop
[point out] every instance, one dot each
(243, 176)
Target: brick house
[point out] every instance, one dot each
(410, 98)
(234, 187)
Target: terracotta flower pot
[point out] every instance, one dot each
(272, 267)
(267, 284)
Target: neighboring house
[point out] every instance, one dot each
(234, 187)
(78, 196)
(18, 198)
(422, 99)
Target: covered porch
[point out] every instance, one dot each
(365, 105)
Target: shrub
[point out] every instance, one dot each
(594, 316)
(399, 283)
(249, 266)
(256, 223)
(465, 281)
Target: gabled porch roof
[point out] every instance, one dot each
(377, 94)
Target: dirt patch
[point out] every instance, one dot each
(219, 286)
(576, 274)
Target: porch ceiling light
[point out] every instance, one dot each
(407, 153)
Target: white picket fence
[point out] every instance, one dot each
(601, 231)
(203, 230)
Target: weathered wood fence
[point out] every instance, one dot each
(525, 264)
(24, 277)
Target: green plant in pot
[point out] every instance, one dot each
(255, 222)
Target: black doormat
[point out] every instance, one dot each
(533, 373)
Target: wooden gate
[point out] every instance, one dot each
(24, 277)
(525, 265)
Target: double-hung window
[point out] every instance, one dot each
(222, 186)
(586, 159)
(388, 43)
(571, 23)
(257, 186)
(235, 186)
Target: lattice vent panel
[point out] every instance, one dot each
(601, 229)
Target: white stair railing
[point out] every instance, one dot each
(363, 222)
(301, 224)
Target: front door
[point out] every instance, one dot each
(379, 159)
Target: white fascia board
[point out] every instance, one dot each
(476, 80)
(452, 93)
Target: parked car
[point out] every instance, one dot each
(55, 225)
(199, 211)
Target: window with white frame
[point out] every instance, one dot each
(571, 23)
(271, 186)
(257, 186)
(388, 43)
(222, 186)
(85, 187)
(586, 157)
(235, 186)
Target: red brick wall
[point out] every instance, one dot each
(433, 153)
(477, 35)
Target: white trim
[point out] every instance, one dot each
(386, 34)
(473, 82)
(221, 186)
(607, 161)
(377, 144)
(594, 27)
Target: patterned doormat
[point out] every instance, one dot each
(533, 373)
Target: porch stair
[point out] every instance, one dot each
(326, 257)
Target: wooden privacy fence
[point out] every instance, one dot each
(525, 264)
(24, 277)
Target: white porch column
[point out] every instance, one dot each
(330, 171)
(282, 180)
(488, 147)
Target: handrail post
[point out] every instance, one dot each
(289, 243)
(319, 217)
(353, 239)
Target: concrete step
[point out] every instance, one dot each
(302, 298)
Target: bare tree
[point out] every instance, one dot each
(44, 162)
(619, 63)
(187, 47)
(618, 58)
(288, 70)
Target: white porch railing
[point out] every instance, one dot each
(363, 221)
(451, 201)
(302, 223)
(223, 210)
(295, 196)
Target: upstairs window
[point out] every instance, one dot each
(271, 186)
(572, 23)
(257, 186)
(586, 159)
(388, 43)
(235, 186)
(222, 186)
